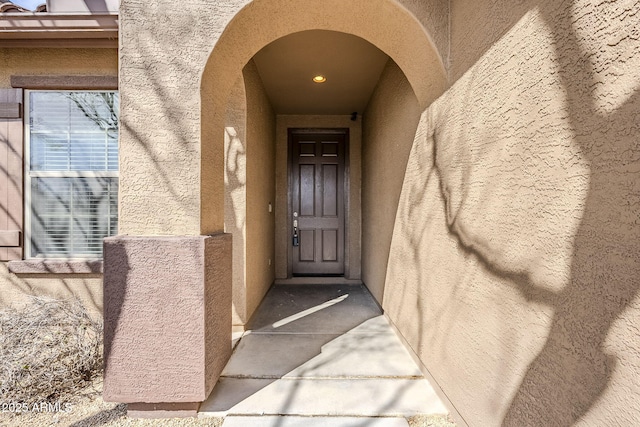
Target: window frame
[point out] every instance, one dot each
(28, 175)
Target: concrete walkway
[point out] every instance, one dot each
(320, 355)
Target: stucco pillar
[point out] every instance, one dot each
(167, 321)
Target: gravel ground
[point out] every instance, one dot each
(89, 410)
(431, 421)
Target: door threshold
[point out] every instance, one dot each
(307, 280)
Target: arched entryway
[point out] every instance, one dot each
(239, 58)
(383, 23)
(172, 181)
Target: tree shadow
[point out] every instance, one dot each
(107, 416)
(575, 367)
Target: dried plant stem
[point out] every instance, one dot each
(49, 351)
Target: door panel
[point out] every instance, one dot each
(307, 246)
(330, 190)
(317, 196)
(307, 189)
(329, 245)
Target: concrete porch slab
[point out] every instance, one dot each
(354, 354)
(289, 421)
(356, 397)
(373, 355)
(322, 309)
(278, 354)
(320, 354)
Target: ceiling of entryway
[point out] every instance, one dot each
(351, 65)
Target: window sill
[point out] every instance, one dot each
(55, 266)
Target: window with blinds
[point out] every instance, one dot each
(72, 180)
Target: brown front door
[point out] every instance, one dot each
(317, 177)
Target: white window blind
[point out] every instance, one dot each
(73, 172)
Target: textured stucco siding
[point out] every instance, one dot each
(515, 262)
(389, 125)
(433, 15)
(52, 62)
(163, 52)
(167, 317)
(172, 184)
(15, 290)
(235, 192)
(261, 188)
(249, 189)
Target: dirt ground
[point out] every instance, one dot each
(89, 410)
(431, 421)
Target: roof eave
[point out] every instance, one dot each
(36, 29)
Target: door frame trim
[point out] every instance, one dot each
(335, 131)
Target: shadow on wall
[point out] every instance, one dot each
(158, 173)
(575, 367)
(151, 197)
(17, 289)
(235, 181)
(516, 250)
(116, 264)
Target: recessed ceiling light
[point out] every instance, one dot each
(319, 78)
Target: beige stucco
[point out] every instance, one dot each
(389, 126)
(15, 289)
(261, 158)
(249, 190)
(235, 195)
(514, 268)
(172, 181)
(64, 62)
(354, 176)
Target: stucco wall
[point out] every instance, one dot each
(433, 15)
(389, 125)
(249, 189)
(180, 76)
(515, 262)
(235, 194)
(170, 75)
(47, 62)
(163, 53)
(283, 217)
(261, 182)
(14, 290)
